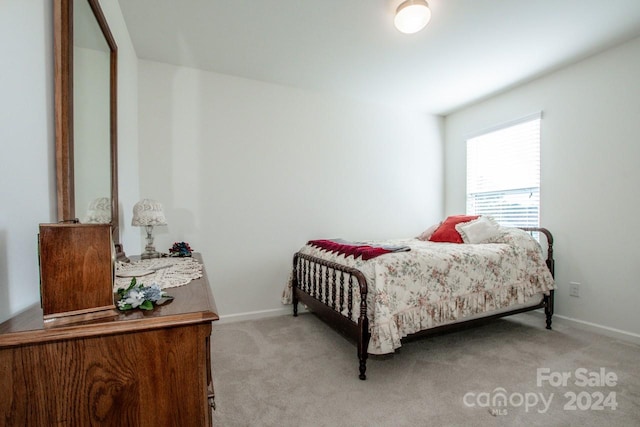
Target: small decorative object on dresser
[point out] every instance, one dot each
(147, 213)
(136, 295)
(180, 249)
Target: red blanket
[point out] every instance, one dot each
(365, 251)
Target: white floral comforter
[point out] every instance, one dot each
(438, 283)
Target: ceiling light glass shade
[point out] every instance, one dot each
(412, 16)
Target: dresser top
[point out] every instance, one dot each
(192, 303)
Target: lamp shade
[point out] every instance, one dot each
(412, 16)
(148, 212)
(99, 211)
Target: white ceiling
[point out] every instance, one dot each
(470, 50)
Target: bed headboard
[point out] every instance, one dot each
(549, 237)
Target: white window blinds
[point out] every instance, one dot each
(503, 173)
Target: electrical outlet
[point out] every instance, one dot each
(574, 289)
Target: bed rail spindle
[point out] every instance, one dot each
(341, 291)
(320, 285)
(299, 273)
(326, 285)
(333, 289)
(350, 298)
(308, 277)
(295, 282)
(315, 281)
(302, 273)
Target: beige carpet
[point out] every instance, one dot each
(287, 371)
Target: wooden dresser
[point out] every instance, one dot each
(134, 369)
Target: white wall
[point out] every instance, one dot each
(590, 177)
(27, 187)
(249, 171)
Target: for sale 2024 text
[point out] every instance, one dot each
(600, 380)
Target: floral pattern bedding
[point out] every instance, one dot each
(438, 283)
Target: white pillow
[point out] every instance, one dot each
(479, 230)
(428, 232)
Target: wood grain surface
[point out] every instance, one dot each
(137, 368)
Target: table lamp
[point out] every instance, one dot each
(147, 213)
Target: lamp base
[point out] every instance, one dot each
(150, 255)
(149, 249)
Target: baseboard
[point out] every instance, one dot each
(594, 327)
(557, 318)
(262, 314)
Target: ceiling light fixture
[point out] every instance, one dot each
(412, 16)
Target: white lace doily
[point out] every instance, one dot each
(166, 272)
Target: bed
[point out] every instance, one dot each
(393, 290)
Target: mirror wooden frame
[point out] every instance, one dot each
(63, 84)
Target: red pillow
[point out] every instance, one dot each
(447, 231)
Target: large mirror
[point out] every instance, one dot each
(86, 117)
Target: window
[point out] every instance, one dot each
(503, 173)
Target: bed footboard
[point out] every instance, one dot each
(327, 288)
